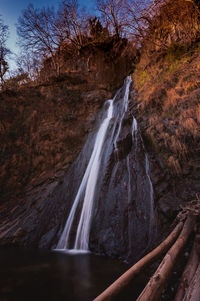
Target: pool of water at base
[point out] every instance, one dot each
(44, 275)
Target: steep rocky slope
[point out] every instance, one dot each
(167, 107)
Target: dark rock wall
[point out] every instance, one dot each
(42, 132)
(106, 64)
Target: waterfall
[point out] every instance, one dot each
(124, 109)
(89, 211)
(87, 187)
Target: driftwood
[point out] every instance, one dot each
(114, 289)
(193, 292)
(154, 287)
(189, 288)
(189, 271)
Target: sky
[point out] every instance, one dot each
(10, 10)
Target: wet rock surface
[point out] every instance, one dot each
(123, 222)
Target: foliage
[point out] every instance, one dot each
(169, 96)
(141, 77)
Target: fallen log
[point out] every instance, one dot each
(122, 282)
(155, 286)
(189, 271)
(193, 292)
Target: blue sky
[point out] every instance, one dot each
(10, 10)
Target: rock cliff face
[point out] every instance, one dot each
(167, 108)
(42, 131)
(123, 221)
(103, 63)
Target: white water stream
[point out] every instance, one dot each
(87, 188)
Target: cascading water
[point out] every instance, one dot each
(114, 198)
(87, 188)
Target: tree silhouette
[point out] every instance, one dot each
(4, 51)
(113, 14)
(39, 32)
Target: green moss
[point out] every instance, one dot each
(140, 77)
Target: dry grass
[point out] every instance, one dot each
(165, 138)
(169, 95)
(154, 119)
(198, 113)
(174, 165)
(178, 147)
(190, 127)
(172, 99)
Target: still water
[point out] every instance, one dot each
(35, 275)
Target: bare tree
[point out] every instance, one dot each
(139, 16)
(4, 51)
(29, 63)
(39, 32)
(73, 22)
(113, 14)
(46, 31)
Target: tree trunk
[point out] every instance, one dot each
(189, 272)
(114, 289)
(154, 288)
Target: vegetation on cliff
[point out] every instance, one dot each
(167, 83)
(169, 93)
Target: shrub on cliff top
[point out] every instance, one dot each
(176, 23)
